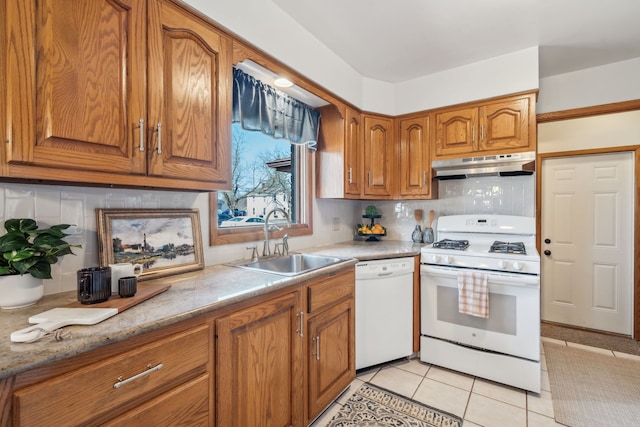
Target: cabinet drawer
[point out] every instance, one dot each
(89, 393)
(186, 405)
(329, 290)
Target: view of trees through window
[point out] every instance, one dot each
(262, 179)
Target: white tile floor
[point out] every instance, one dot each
(479, 402)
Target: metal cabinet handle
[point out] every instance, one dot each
(150, 369)
(369, 178)
(317, 353)
(424, 178)
(473, 133)
(350, 176)
(301, 326)
(141, 134)
(159, 149)
(482, 133)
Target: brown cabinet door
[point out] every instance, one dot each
(189, 97)
(415, 160)
(352, 153)
(456, 132)
(260, 359)
(331, 355)
(81, 108)
(378, 157)
(504, 125)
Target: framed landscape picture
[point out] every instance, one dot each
(164, 241)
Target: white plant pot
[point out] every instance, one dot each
(20, 291)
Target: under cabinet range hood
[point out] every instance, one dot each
(496, 165)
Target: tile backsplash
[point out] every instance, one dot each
(76, 205)
(50, 205)
(489, 195)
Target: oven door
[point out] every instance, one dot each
(513, 325)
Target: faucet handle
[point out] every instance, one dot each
(276, 249)
(254, 252)
(274, 227)
(285, 244)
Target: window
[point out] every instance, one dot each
(267, 173)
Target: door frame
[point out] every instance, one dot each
(587, 112)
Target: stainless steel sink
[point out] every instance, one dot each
(292, 264)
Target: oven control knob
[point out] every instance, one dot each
(448, 260)
(435, 258)
(502, 264)
(517, 266)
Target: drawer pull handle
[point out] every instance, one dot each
(150, 369)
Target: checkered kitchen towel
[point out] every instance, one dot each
(473, 293)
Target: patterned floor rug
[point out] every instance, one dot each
(374, 406)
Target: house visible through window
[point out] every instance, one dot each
(265, 176)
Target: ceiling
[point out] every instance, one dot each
(396, 41)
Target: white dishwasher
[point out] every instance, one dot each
(384, 310)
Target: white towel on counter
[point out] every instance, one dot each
(473, 293)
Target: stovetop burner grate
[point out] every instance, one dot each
(452, 244)
(508, 248)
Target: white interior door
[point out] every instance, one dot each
(587, 241)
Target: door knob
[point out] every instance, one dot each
(547, 241)
(547, 252)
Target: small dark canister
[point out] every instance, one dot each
(127, 286)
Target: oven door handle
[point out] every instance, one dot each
(494, 277)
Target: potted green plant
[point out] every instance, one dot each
(26, 255)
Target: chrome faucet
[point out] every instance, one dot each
(266, 250)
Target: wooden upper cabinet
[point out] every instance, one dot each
(339, 155)
(455, 132)
(87, 66)
(111, 80)
(189, 113)
(353, 153)
(415, 160)
(379, 155)
(504, 125)
(491, 127)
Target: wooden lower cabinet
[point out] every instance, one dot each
(260, 364)
(330, 340)
(277, 360)
(277, 369)
(331, 357)
(163, 383)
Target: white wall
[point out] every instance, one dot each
(609, 130)
(502, 75)
(606, 84)
(267, 27)
(273, 31)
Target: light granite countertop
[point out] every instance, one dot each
(190, 295)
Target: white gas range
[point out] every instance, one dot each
(491, 263)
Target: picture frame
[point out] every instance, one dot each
(165, 241)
